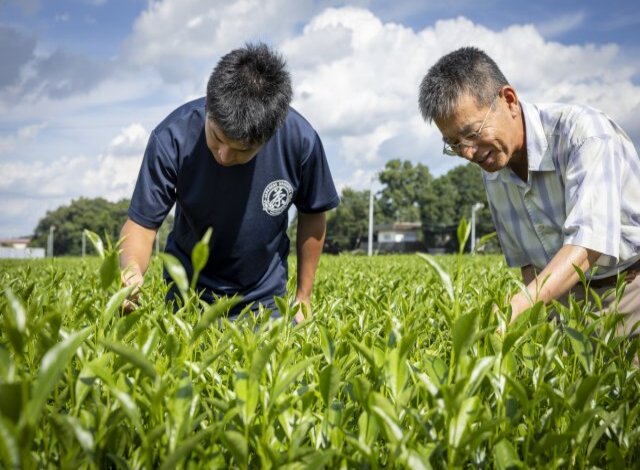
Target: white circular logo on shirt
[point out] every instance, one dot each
(276, 197)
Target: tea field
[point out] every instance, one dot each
(400, 367)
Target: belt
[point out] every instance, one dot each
(631, 271)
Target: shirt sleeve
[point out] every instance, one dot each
(316, 192)
(155, 193)
(593, 186)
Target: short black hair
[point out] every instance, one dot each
(249, 93)
(466, 70)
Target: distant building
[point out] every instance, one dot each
(399, 237)
(19, 243)
(18, 248)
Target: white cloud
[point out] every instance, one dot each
(24, 134)
(31, 189)
(131, 141)
(182, 38)
(355, 78)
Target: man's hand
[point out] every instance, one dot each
(132, 277)
(137, 245)
(303, 310)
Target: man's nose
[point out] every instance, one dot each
(468, 152)
(224, 153)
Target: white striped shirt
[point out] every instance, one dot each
(583, 189)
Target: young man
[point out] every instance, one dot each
(235, 161)
(563, 181)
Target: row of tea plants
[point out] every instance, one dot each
(399, 367)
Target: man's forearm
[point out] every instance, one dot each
(137, 246)
(556, 278)
(309, 243)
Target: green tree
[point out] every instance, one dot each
(98, 215)
(448, 200)
(348, 224)
(467, 179)
(405, 186)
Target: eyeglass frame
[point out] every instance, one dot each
(468, 141)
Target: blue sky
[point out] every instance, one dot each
(83, 82)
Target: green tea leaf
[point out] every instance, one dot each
(53, 364)
(582, 348)
(442, 274)
(132, 356)
(237, 444)
(176, 271)
(461, 420)
(326, 343)
(464, 330)
(212, 313)
(9, 448)
(329, 382)
(506, 456)
(184, 449)
(96, 241)
(115, 303)
(200, 253)
(290, 375)
(463, 231)
(109, 269)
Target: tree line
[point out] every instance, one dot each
(409, 194)
(98, 215)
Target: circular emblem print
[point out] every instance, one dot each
(276, 197)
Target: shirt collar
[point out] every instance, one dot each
(538, 152)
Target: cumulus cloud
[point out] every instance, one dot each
(131, 141)
(33, 188)
(180, 38)
(355, 78)
(8, 143)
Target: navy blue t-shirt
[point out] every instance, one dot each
(245, 204)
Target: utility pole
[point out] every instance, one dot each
(370, 239)
(84, 243)
(476, 207)
(50, 241)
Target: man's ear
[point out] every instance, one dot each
(511, 97)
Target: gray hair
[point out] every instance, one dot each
(249, 93)
(466, 70)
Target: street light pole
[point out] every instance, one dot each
(50, 241)
(476, 207)
(370, 239)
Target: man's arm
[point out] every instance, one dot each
(310, 239)
(555, 279)
(136, 251)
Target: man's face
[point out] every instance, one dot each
(488, 136)
(225, 151)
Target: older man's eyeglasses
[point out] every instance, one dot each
(455, 150)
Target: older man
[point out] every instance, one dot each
(563, 181)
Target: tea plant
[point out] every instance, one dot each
(399, 367)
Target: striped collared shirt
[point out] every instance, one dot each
(583, 189)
